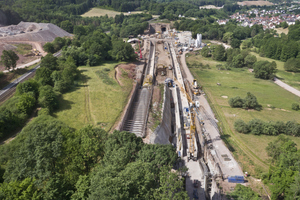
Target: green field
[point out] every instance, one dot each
(276, 104)
(290, 78)
(97, 100)
(97, 12)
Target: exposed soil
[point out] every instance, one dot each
(123, 69)
(22, 58)
(35, 34)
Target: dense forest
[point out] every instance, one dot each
(49, 160)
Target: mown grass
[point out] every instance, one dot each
(98, 12)
(237, 82)
(97, 100)
(290, 78)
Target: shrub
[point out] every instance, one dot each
(236, 102)
(241, 126)
(295, 106)
(26, 103)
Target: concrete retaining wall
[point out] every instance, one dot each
(163, 132)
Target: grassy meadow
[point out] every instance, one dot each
(290, 78)
(97, 100)
(276, 104)
(98, 12)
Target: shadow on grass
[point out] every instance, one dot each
(226, 139)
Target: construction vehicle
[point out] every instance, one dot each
(36, 52)
(148, 80)
(196, 89)
(191, 137)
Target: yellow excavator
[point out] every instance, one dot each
(191, 153)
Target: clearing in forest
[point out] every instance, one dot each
(255, 3)
(98, 99)
(98, 12)
(276, 103)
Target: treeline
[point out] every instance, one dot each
(237, 58)
(230, 33)
(258, 127)
(284, 48)
(92, 47)
(31, 10)
(49, 160)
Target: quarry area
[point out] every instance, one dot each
(27, 39)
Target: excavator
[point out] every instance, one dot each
(191, 153)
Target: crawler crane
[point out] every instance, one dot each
(191, 153)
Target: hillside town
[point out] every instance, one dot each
(268, 18)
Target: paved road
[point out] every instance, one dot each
(287, 87)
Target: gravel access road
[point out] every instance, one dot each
(287, 87)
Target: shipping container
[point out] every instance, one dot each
(236, 179)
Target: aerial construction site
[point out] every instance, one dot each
(186, 120)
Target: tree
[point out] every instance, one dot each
(47, 98)
(241, 126)
(43, 76)
(26, 103)
(41, 150)
(67, 26)
(171, 186)
(235, 43)
(9, 59)
(228, 36)
(122, 51)
(49, 61)
(219, 53)
(295, 106)
(236, 102)
(243, 193)
(21, 190)
(265, 69)
(250, 60)
(49, 47)
(292, 65)
(250, 102)
(238, 61)
(205, 52)
(30, 85)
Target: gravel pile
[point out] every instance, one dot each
(29, 31)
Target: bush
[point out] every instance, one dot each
(48, 98)
(241, 126)
(292, 65)
(236, 102)
(26, 103)
(295, 106)
(249, 102)
(1, 74)
(258, 127)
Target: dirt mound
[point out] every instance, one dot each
(29, 31)
(125, 69)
